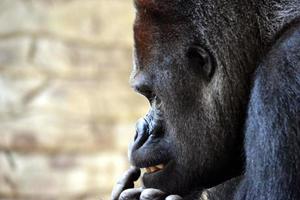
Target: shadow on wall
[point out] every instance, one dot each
(66, 109)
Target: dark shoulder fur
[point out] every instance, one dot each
(272, 139)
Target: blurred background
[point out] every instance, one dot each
(67, 111)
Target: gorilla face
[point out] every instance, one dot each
(192, 133)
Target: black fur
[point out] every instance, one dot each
(196, 62)
(273, 127)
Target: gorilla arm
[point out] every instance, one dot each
(272, 137)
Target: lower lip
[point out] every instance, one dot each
(152, 174)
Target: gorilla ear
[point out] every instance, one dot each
(201, 61)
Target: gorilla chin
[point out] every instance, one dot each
(158, 176)
(164, 177)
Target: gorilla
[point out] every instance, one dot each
(223, 81)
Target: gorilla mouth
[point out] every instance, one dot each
(155, 176)
(153, 169)
(157, 170)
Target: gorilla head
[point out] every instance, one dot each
(193, 62)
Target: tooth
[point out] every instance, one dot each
(161, 166)
(150, 168)
(153, 169)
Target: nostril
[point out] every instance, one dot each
(156, 129)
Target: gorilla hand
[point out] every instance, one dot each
(124, 189)
(146, 194)
(125, 182)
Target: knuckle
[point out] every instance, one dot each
(150, 194)
(124, 196)
(174, 197)
(130, 194)
(146, 194)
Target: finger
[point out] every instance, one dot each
(125, 182)
(131, 194)
(130, 176)
(152, 194)
(174, 197)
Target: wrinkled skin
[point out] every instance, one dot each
(194, 62)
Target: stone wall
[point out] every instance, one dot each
(66, 109)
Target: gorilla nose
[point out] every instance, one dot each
(143, 85)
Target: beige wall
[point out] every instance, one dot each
(66, 109)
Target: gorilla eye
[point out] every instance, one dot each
(200, 61)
